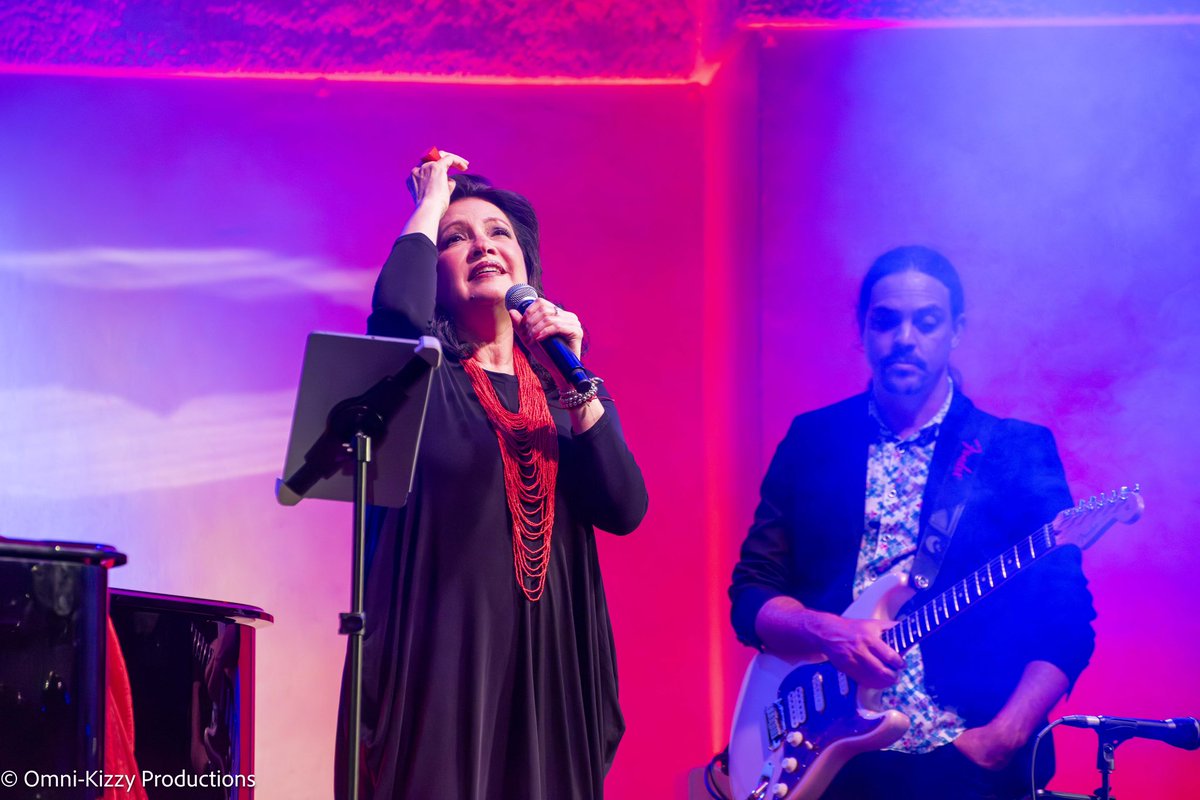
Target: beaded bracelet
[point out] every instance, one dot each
(573, 399)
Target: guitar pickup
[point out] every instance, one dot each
(818, 689)
(774, 714)
(797, 707)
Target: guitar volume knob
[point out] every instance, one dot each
(795, 738)
(780, 790)
(790, 764)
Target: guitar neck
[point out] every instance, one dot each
(915, 627)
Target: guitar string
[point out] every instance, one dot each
(895, 636)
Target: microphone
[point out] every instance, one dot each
(518, 298)
(1181, 732)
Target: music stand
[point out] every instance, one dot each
(355, 433)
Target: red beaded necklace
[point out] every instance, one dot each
(529, 450)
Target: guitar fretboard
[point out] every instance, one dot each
(913, 628)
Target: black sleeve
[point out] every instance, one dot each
(1058, 605)
(402, 306)
(604, 476)
(764, 570)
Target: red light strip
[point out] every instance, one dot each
(95, 71)
(1162, 20)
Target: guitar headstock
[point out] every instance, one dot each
(1083, 524)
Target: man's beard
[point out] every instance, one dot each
(908, 384)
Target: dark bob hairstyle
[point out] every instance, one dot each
(525, 226)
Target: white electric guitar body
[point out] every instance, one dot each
(798, 722)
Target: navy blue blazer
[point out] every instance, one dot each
(808, 528)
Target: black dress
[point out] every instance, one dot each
(470, 690)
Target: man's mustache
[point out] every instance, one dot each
(912, 360)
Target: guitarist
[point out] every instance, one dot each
(846, 499)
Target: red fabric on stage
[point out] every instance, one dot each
(119, 758)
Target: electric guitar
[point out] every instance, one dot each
(798, 722)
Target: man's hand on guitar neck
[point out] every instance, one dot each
(854, 646)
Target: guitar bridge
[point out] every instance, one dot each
(775, 727)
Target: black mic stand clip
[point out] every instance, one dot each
(1106, 750)
(1108, 738)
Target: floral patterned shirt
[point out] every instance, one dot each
(897, 471)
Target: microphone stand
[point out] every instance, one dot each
(1105, 752)
(1106, 749)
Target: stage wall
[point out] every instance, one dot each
(166, 245)
(1058, 168)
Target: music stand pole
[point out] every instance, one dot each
(351, 428)
(353, 622)
(365, 415)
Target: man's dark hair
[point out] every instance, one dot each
(912, 258)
